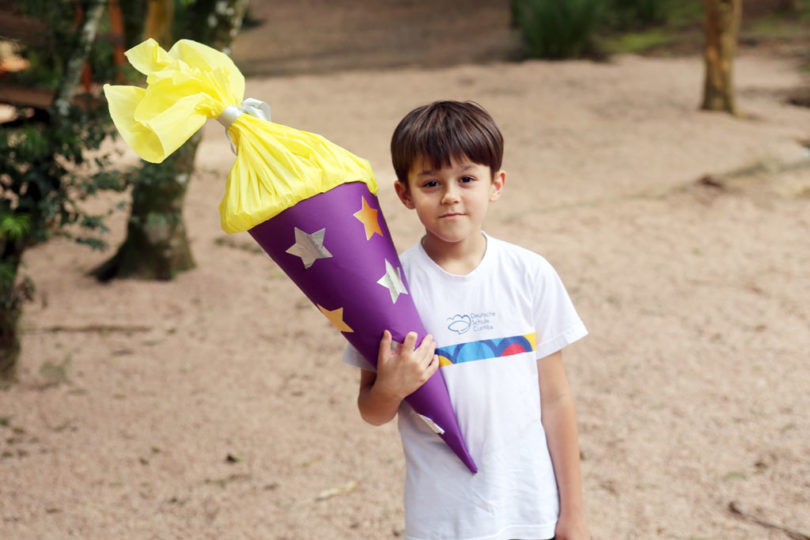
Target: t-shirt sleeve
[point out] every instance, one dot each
(353, 357)
(557, 322)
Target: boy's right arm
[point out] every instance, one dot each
(400, 372)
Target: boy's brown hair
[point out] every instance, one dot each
(446, 130)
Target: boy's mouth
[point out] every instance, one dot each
(451, 215)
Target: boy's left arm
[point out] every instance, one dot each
(560, 424)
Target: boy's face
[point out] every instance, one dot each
(451, 201)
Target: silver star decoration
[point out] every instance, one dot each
(392, 281)
(431, 424)
(309, 247)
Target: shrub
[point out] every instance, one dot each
(558, 28)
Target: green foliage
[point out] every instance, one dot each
(558, 29)
(577, 28)
(13, 227)
(47, 57)
(45, 174)
(48, 168)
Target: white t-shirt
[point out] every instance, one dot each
(490, 326)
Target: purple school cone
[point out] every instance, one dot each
(332, 241)
(337, 248)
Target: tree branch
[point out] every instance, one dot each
(75, 64)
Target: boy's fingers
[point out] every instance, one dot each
(385, 344)
(427, 343)
(428, 349)
(410, 341)
(430, 368)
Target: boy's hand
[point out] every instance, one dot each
(571, 529)
(402, 370)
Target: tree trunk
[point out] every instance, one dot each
(10, 309)
(75, 63)
(156, 246)
(215, 23)
(722, 26)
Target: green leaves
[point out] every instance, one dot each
(578, 28)
(45, 174)
(13, 227)
(554, 29)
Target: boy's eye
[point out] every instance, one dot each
(467, 179)
(430, 183)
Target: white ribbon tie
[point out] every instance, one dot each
(251, 106)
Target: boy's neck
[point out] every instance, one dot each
(458, 258)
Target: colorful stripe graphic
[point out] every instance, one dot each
(485, 349)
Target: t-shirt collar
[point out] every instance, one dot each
(449, 275)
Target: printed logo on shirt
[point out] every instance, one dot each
(485, 349)
(461, 324)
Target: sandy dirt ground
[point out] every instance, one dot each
(216, 405)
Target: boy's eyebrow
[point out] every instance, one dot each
(428, 172)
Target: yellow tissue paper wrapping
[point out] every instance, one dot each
(276, 166)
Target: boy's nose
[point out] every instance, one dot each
(450, 195)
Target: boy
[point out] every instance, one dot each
(501, 316)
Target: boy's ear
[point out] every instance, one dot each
(496, 187)
(404, 194)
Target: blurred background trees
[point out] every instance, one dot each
(49, 159)
(597, 28)
(48, 166)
